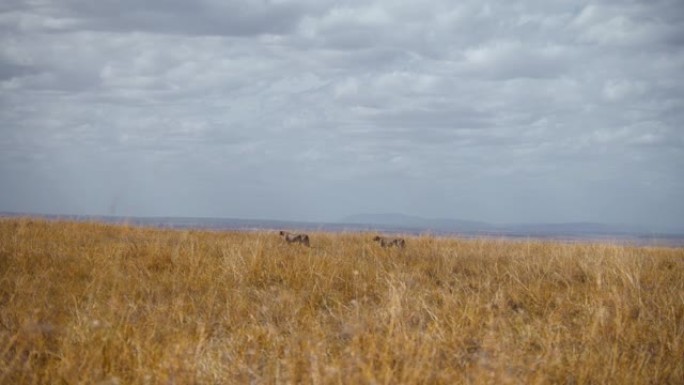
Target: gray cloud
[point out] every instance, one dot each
(235, 18)
(528, 111)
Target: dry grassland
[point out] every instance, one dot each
(95, 303)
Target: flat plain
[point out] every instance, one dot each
(115, 304)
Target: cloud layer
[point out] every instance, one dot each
(314, 110)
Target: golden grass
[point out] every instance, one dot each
(96, 303)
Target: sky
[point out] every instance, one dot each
(314, 110)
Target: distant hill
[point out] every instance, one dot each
(409, 221)
(445, 225)
(401, 223)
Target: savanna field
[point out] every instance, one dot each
(89, 303)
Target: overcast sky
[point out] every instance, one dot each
(500, 111)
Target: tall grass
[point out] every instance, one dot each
(96, 303)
